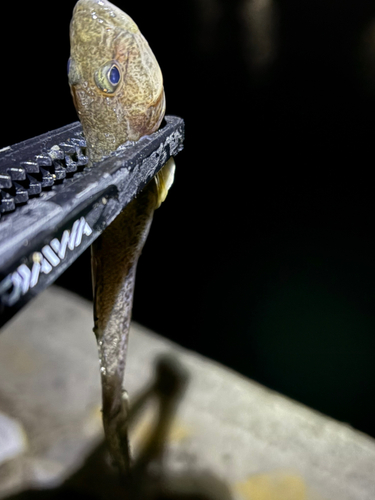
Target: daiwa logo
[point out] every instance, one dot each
(26, 277)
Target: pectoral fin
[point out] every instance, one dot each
(164, 180)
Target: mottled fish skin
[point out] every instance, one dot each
(100, 33)
(102, 36)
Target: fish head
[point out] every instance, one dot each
(115, 79)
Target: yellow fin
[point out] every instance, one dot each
(164, 180)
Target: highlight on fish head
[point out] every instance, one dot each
(115, 79)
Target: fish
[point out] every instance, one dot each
(118, 92)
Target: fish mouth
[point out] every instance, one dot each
(102, 34)
(104, 14)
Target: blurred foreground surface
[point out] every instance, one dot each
(223, 437)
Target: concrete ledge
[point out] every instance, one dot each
(259, 444)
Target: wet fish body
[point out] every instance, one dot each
(117, 89)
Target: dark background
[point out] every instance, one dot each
(263, 255)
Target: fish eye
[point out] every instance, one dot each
(108, 77)
(114, 75)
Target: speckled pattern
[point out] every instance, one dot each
(100, 33)
(103, 37)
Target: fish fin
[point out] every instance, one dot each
(164, 180)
